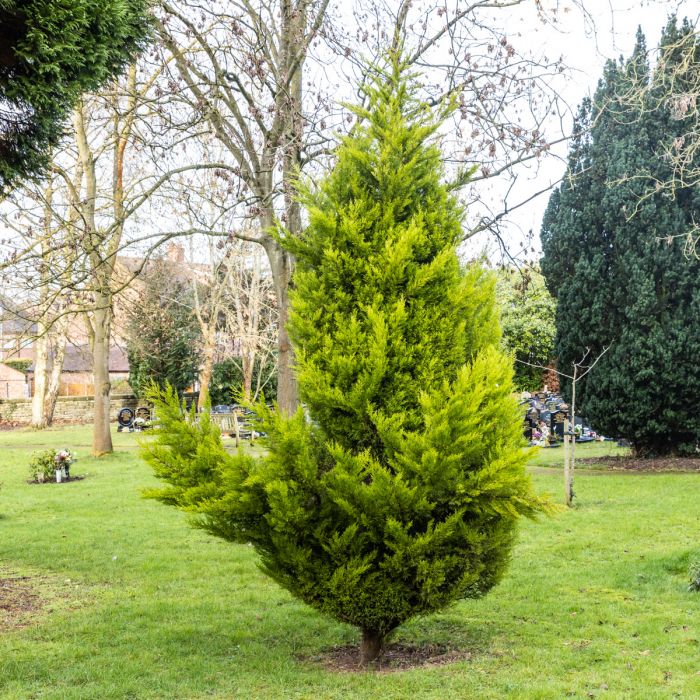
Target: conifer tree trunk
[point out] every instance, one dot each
(371, 647)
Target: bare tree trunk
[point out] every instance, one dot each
(207, 370)
(56, 370)
(248, 365)
(568, 494)
(41, 369)
(277, 143)
(287, 390)
(41, 345)
(371, 647)
(102, 436)
(570, 488)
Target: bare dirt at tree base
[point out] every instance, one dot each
(26, 599)
(395, 657)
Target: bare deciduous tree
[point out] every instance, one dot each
(579, 371)
(210, 288)
(251, 317)
(241, 67)
(264, 80)
(40, 280)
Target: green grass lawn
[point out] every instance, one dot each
(554, 456)
(139, 605)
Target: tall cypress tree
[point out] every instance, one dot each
(614, 257)
(399, 490)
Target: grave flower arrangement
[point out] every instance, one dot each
(63, 460)
(50, 465)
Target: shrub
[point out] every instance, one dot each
(227, 381)
(43, 466)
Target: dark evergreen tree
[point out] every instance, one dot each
(163, 343)
(614, 257)
(398, 492)
(50, 52)
(227, 380)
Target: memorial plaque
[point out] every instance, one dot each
(557, 423)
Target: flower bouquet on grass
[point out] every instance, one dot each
(51, 465)
(63, 460)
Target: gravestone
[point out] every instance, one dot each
(557, 423)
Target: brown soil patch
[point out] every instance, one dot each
(395, 657)
(629, 463)
(19, 601)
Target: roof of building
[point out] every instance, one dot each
(12, 373)
(79, 359)
(15, 321)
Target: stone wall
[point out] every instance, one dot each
(77, 409)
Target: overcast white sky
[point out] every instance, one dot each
(585, 39)
(585, 42)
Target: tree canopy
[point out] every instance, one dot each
(614, 257)
(50, 52)
(163, 343)
(398, 491)
(528, 321)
